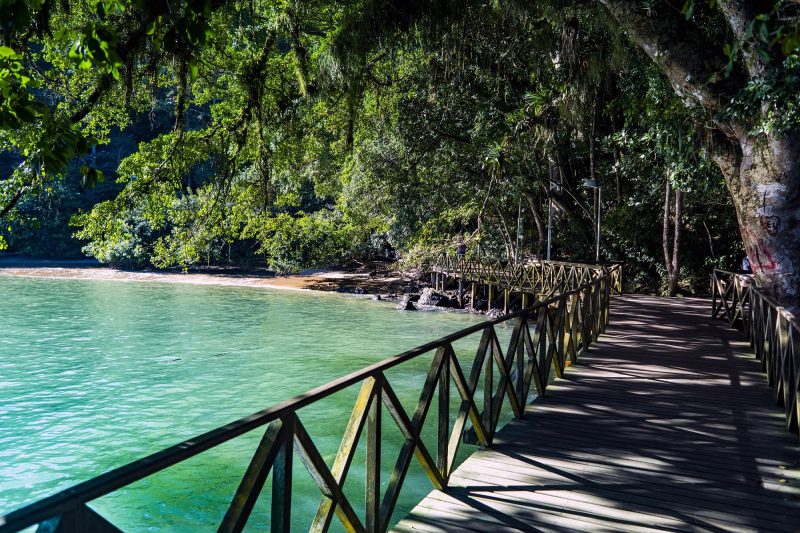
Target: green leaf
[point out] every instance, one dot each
(791, 44)
(5, 51)
(763, 33)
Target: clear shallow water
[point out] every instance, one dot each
(95, 374)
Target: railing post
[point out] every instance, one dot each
(372, 488)
(713, 293)
(472, 296)
(281, 515)
(488, 386)
(444, 419)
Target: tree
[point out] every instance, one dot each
(749, 89)
(353, 123)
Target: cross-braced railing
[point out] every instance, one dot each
(546, 338)
(773, 332)
(537, 277)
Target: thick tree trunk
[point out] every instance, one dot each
(763, 176)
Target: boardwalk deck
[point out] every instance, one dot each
(667, 424)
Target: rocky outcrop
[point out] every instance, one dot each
(405, 304)
(434, 298)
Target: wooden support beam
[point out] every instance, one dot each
(472, 296)
(281, 515)
(372, 481)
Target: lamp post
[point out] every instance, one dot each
(598, 191)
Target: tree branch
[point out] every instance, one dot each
(739, 14)
(692, 65)
(10, 205)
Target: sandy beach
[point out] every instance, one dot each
(317, 280)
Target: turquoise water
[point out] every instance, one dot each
(95, 374)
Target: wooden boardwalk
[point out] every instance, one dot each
(666, 424)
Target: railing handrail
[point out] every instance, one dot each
(106, 483)
(773, 332)
(768, 298)
(538, 276)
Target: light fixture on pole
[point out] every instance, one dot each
(598, 196)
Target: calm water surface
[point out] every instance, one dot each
(94, 374)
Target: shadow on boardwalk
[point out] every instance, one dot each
(666, 424)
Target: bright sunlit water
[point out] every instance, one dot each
(95, 374)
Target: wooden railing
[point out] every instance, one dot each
(535, 277)
(546, 338)
(773, 332)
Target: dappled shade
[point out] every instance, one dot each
(666, 423)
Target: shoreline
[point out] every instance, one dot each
(312, 280)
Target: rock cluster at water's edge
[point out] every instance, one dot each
(406, 304)
(434, 298)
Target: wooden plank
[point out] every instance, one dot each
(633, 491)
(668, 483)
(539, 514)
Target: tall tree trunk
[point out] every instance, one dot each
(676, 244)
(509, 243)
(672, 258)
(541, 229)
(763, 176)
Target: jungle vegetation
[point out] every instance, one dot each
(308, 133)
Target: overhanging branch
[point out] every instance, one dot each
(14, 200)
(692, 65)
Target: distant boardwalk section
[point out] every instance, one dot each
(667, 424)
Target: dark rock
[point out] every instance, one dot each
(494, 313)
(435, 299)
(405, 304)
(376, 297)
(480, 303)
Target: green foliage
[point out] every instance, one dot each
(122, 240)
(293, 243)
(770, 103)
(313, 133)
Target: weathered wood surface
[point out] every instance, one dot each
(666, 424)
